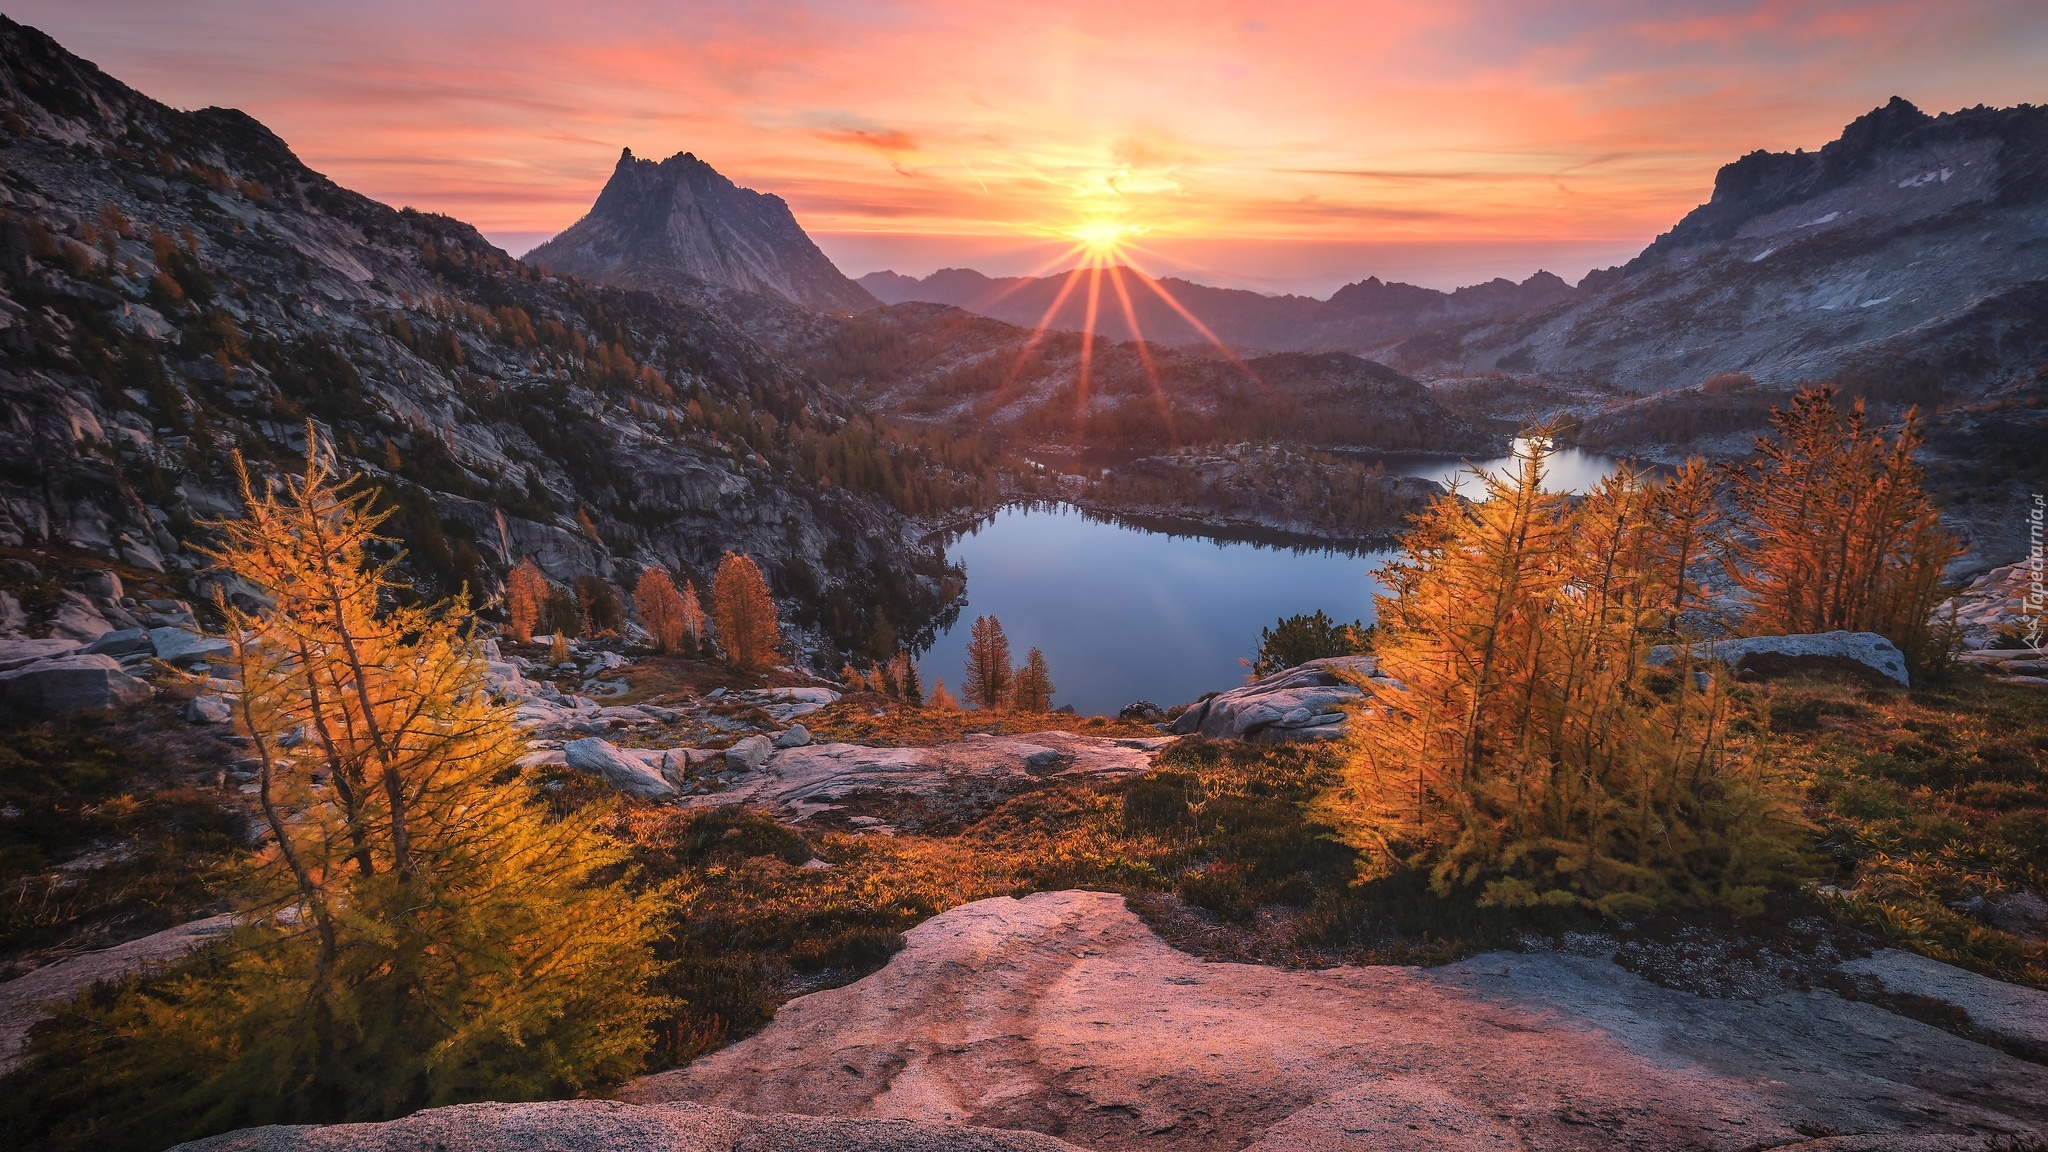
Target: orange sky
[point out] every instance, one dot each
(1278, 146)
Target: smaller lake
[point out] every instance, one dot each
(1564, 469)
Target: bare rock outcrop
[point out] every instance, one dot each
(1995, 606)
(1063, 1013)
(1773, 654)
(1305, 702)
(610, 1126)
(27, 999)
(67, 684)
(801, 782)
(629, 774)
(679, 217)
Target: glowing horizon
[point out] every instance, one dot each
(1272, 146)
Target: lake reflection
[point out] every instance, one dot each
(1124, 614)
(1565, 469)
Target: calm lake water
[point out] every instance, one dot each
(1126, 614)
(1565, 469)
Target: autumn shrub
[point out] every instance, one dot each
(421, 930)
(1522, 750)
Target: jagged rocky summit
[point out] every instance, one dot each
(655, 222)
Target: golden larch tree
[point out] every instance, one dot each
(1520, 747)
(989, 678)
(1691, 539)
(1837, 530)
(745, 614)
(423, 930)
(526, 598)
(1034, 688)
(673, 619)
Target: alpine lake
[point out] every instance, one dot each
(1126, 612)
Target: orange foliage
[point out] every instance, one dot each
(526, 594)
(1838, 531)
(745, 614)
(674, 619)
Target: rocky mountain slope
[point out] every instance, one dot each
(1912, 250)
(174, 285)
(655, 222)
(1359, 315)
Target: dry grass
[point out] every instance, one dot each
(1929, 803)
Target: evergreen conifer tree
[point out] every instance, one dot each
(903, 671)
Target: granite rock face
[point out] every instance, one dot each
(1306, 702)
(623, 771)
(1772, 654)
(610, 1126)
(1063, 1013)
(802, 782)
(538, 418)
(27, 999)
(67, 684)
(1811, 265)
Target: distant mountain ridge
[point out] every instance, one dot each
(654, 222)
(1911, 252)
(1369, 311)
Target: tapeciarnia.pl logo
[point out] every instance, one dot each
(2036, 605)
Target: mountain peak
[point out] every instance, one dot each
(656, 221)
(1895, 132)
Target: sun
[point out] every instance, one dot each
(1103, 239)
